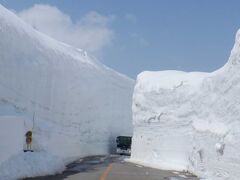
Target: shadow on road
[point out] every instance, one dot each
(94, 167)
(87, 164)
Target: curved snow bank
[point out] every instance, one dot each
(75, 105)
(189, 121)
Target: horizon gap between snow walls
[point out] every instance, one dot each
(189, 121)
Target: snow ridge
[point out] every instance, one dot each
(74, 105)
(190, 121)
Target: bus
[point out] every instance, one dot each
(124, 145)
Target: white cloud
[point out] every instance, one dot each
(91, 32)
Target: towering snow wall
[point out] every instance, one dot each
(74, 105)
(190, 121)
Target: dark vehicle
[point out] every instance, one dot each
(124, 145)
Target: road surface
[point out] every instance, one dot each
(113, 168)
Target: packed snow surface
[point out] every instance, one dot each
(74, 105)
(190, 121)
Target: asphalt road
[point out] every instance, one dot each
(113, 168)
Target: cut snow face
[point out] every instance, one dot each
(74, 105)
(189, 121)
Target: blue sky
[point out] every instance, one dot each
(140, 35)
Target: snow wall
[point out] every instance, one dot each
(190, 121)
(11, 128)
(74, 105)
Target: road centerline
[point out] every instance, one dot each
(106, 172)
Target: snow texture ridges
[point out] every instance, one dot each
(74, 105)
(190, 121)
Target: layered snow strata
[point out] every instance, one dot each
(189, 121)
(74, 105)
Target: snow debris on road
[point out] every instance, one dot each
(28, 164)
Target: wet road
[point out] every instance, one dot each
(113, 168)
